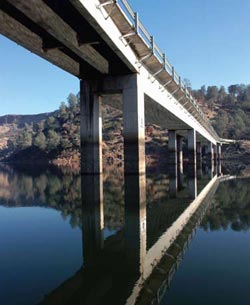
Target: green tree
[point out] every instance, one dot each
(40, 140)
(53, 140)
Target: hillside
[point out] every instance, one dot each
(228, 109)
(55, 137)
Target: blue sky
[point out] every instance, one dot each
(208, 42)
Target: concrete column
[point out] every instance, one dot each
(192, 146)
(172, 147)
(92, 217)
(210, 153)
(219, 172)
(133, 125)
(135, 222)
(219, 151)
(180, 176)
(199, 170)
(199, 152)
(215, 153)
(192, 180)
(180, 153)
(91, 129)
(173, 180)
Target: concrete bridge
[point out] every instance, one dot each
(105, 45)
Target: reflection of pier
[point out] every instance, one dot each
(121, 270)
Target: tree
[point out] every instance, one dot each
(212, 92)
(40, 140)
(53, 140)
(25, 138)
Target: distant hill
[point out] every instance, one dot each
(21, 120)
(55, 136)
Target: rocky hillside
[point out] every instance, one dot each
(55, 137)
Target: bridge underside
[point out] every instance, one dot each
(155, 114)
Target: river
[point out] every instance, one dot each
(157, 239)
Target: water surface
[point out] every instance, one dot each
(163, 238)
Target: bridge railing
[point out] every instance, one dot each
(148, 39)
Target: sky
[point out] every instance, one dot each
(207, 41)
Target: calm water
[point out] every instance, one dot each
(167, 238)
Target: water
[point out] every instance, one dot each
(165, 238)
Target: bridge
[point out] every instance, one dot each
(105, 45)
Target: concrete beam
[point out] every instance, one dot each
(45, 18)
(19, 33)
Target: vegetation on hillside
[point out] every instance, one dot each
(56, 136)
(229, 110)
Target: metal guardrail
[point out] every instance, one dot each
(142, 32)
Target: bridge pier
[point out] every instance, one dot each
(93, 220)
(172, 161)
(219, 151)
(135, 222)
(192, 146)
(215, 153)
(180, 153)
(133, 125)
(173, 180)
(192, 180)
(172, 148)
(210, 154)
(91, 128)
(199, 152)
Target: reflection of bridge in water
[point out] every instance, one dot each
(124, 268)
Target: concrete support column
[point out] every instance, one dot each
(192, 146)
(199, 152)
(210, 153)
(192, 180)
(219, 151)
(215, 152)
(199, 170)
(173, 180)
(133, 125)
(172, 147)
(180, 153)
(219, 168)
(91, 129)
(172, 161)
(135, 223)
(92, 217)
